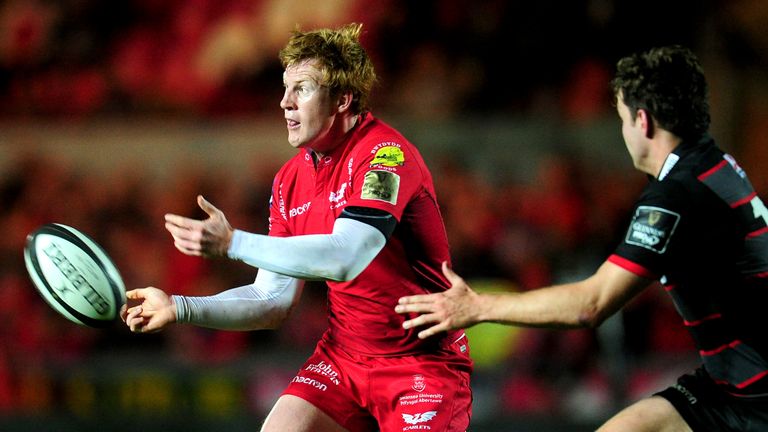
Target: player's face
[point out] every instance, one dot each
(308, 106)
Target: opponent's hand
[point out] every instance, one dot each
(154, 312)
(452, 309)
(210, 237)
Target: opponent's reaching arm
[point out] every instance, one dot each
(580, 304)
(265, 303)
(338, 256)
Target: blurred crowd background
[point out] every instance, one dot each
(114, 113)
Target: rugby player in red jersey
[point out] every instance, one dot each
(698, 227)
(355, 207)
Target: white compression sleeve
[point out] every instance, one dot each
(339, 256)
(263, 304)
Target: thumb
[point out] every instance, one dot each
(135, 294)
(452, 277)
(206, 206)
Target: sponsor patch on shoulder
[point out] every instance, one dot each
(388, 156)
(652, 227)
(381, 185)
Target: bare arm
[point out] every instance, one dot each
(586, 303)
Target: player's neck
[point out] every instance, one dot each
(663, 144)
(336, 136)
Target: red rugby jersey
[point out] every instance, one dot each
(375, 167)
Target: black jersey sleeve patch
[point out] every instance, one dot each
(652, 228)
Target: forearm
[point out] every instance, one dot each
(560, 306)
(586, 303)
(261, 305)
(338, 256)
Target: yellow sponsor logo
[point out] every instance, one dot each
(389, 156)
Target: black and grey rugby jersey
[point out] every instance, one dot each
(701, 229)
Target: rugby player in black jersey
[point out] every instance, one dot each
(698, 227)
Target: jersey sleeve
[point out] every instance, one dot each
(656, 219)
(385, 175)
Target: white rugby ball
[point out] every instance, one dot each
(74, 275)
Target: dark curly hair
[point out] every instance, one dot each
(667, 82)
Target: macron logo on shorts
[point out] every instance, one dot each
(688, 395)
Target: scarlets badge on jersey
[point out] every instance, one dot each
(652, 227)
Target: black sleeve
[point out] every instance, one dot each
(658, 222)
(376, 218)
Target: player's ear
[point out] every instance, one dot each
(646, 122)
(345, 101)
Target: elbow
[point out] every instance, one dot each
(590, 322)
(275, 318)
(274, 315)
(349, 263)
(342, 276)
(595, 309)
(274, 323)
(347, 274)
(347, 269)
(591, 318)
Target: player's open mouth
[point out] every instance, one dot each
(292, 124)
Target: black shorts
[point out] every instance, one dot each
(706, 407)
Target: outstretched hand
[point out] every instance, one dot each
(153, 313)
(210, 237)
(452, 309)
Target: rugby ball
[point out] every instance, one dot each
(74, 275)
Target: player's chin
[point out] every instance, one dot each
(296, 139)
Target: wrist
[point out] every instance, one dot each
(233, 244)
(228, 245)
(172, 310)
(178, 309)
(483, 309)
